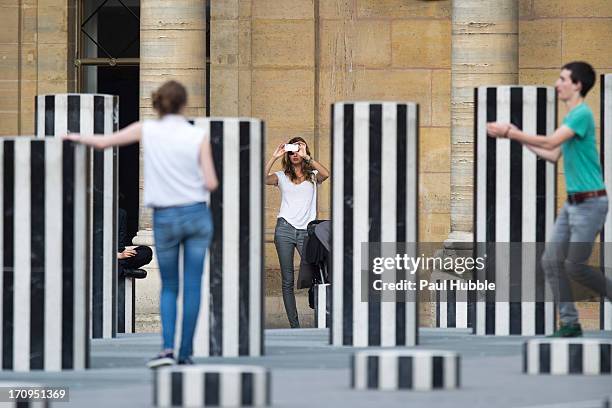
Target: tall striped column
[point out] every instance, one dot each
(514, 202)
(452, 308)
(57, 115)
(605, 148)
(43, 253)
(374, 199)
(322, 305)
(126, 305)
(231, 319)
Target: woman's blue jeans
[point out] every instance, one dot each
(189, 226)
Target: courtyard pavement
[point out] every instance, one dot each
(307, 372)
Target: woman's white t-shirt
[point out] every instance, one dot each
(298, 201)
(172, 172)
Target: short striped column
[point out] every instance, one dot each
(514, 199)
(605, 148)
(418, 370)
(322, 304)
(567, 356)
(452, 309)
(374, 199)
(212, 386)
(89, 114)
(126, 305)
(231, 314)
(44, 252)
(595, 403)
(7, 387)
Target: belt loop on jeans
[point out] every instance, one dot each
(577, 198)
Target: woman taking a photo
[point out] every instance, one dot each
(178, 177)
(297, 182)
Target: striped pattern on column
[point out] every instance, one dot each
(601, 403)
(93, 114)
(22, 403)
(211, 386)
(605, 148)
(418, 370)
(43, 253)
(452, 309)
(373, 200)
(231, 316)
(126, 305)
(322, 305)
(567, 356)
(514, 201)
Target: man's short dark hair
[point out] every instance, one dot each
(581, 72)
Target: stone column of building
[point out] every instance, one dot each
(485, 51)
(37, 48)
(172, 46)
(230, 58)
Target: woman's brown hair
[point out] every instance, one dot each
(307, 169)
(169, 98)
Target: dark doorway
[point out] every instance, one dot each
(118, 32)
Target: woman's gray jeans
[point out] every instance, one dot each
(286, 238)
(568, 251)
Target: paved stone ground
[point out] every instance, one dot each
(306, 372)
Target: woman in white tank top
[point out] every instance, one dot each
(297, 182)
(178, 175)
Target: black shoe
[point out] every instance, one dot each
(135, 273)
(185, 361)
(571, 330)
(162, 359)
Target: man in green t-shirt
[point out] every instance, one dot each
(584, 213)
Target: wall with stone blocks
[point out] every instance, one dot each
(553, 33)
(287, 62)
(36, 57)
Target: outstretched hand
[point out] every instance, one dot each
(280, 150)
(498, 129)
(74, 137)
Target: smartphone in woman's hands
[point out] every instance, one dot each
(291, 147)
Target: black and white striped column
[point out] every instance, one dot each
(594, 403)
(43, 253)
(126, 305)
(8, 392)
(374, 199)
(605, 148)
(322, 305)
(567, 356)
(212, 386)
(514, 200)
(452, 310)
(418, 370)
(89, 114)
(26, 404)
(231, 319)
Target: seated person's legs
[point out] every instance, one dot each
(130, 258)
(134, 259)
(143, 256)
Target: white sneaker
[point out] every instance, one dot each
(162, 359)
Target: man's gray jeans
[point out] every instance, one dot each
(567, 253)
(286, 238)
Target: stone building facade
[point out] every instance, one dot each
(286, 62)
